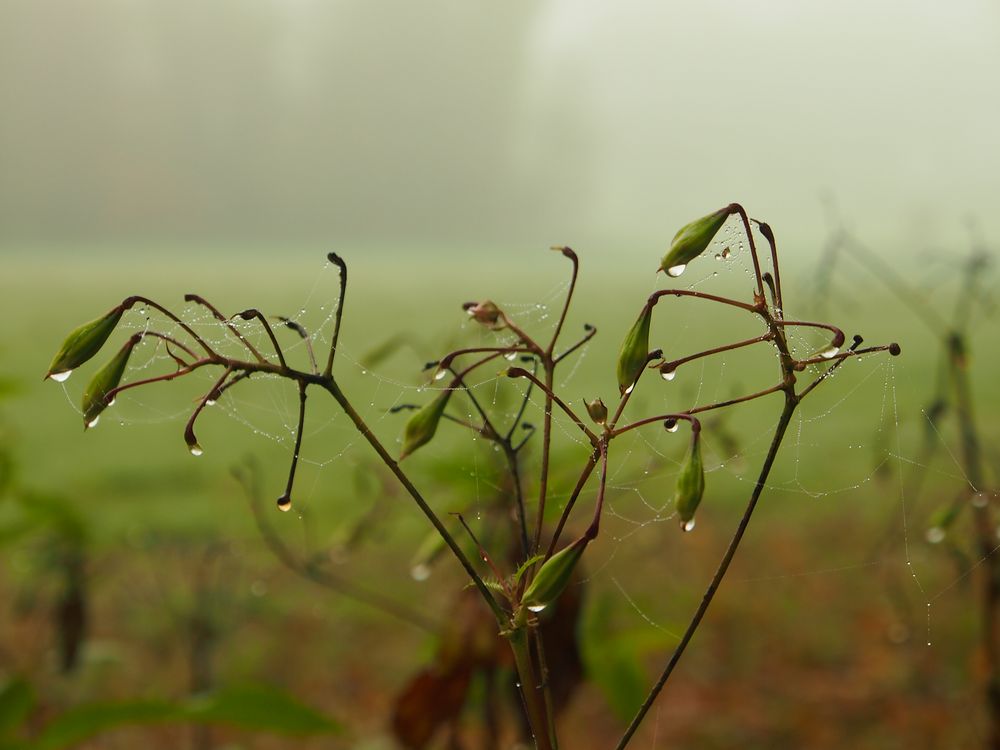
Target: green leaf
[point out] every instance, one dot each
(522, 569)
(16, 700)
(253, 708)
(261, 708)
(612, 661)
(83, 722)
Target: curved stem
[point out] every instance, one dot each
(339, 262)
(786, 415)
(198, 299)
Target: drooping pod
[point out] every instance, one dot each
(422, 425)
(690, 483)
(635, 350)
(83, 343)
(692, 239)
(109, 377)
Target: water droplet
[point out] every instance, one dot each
(935, 535)
(675, 271)
(718, 256)
(629, 389)
(284, 503)
(420, 572)
(61, 377)
(687, 525)
(672, 427)
(93, 422)
(510, 356)
(441, 374)
(195, 450)
(830, 352)
(727, 253)
(536, 607)
(209, 402)
(980, 500)
(112, 401)
(668, 374)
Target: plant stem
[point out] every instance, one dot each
(791, 401)
(986, 545)
(533, 698)
(334, 390)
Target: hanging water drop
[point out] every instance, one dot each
(687, 525)
(671, 426)
(195, 450)
(510, 356)
(536, 607)
(727, 253)
(441, 374)
(668, 374)
(420, 572)
(93, 422)
(935, 535)
(629, 389)
(830, 352)
(675, 271)
(284, 503)
(61, 377)
(209, 402)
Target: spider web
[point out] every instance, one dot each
(849, 445)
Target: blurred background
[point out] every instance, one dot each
(225, 147)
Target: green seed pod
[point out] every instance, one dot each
(692, 239)
(690, 484)
(553, 576)
(597, 410)
(634, 351)
(422, 425)
(82, 344)
(106, 380)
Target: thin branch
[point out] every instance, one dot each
(252, 313)
(779, 433)
(198, 299)
(567, 252)
(339, 262)
(590, 332)
(285, 501)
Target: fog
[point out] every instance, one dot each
(485, 125)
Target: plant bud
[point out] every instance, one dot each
(553, 576)
(692, 239)
(597, 411)
(82, 344)
(106, 380)
(422, 425)
(635, 350)
(486, 312)
(690, 483)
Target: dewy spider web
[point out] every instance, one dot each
(640, 499)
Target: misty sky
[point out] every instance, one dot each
(489, 124)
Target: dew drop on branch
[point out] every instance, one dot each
(687, 525)
(284, 503)
(61, 377)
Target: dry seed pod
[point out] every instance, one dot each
(422, 425)
(486, 312)
(634, 351)
(106, 380)
(690, 483)
(82, 344)
(597, 410)
(692, 239)
(553, 576)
